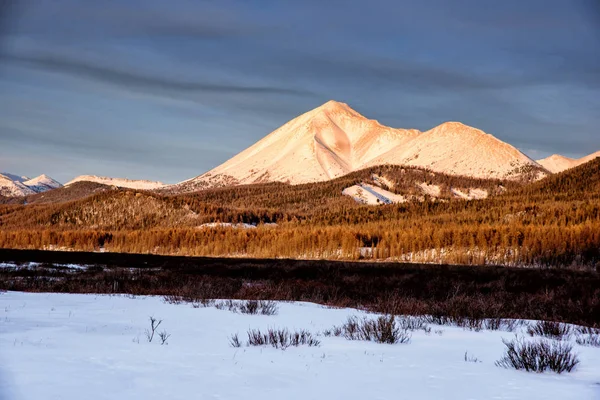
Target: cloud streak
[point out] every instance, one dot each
(122, 78)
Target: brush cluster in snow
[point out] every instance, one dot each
(118, 182)
(66, 345)
(14, 185)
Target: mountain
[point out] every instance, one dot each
(557, 163)
(13, 177)
(119, 182)
(333, 140)
(15, 186)
(457, 149)
(42, 183)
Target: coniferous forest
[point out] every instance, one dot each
(552, 222)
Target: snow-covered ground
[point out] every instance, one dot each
(370, 194)
(69, 346)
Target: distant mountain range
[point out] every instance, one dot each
(334, 140)
(14, 185)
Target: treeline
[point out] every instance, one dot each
(513, 244)
(553, 222)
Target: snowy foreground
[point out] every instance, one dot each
(67, 346)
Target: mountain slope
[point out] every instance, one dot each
(14, 177)
(333, 140)
(557, 163)
(119, 182)
(13, 188)
(42, 183)
(16, 186)
(324, 143)
(580, 182)
(457, 149)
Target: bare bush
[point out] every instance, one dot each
(248, 307)
(471, 358)
(550, 329)
(197, 302)
(510, 325)
(252, 307)
(413, 323)
(471, 323)
(587, 330)
(154, 324)
(258, 307)
(280, 338)
(589, 339)
(383, 329)
(164, 336)
(226, 305)
(538, 356)
(234, 341)
(492, 324)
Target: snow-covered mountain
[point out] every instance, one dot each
(12, 185)
(13, 177)
(333, 140)
(457, 149)
(119, 182)
(42, 183)
(557, 163)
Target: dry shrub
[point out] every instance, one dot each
(383, 329)
(279, 338)
(589, 339)
(538, 356)
(550, 329)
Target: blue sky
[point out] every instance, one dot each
(165, 90)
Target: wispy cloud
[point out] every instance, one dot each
(134, 80)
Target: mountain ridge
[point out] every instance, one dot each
(333, 140)
(119, 182)
(558, 163)
(12, 185)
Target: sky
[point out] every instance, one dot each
(166, 90)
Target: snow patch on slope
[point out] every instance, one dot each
(373, 195)
(430, 190)
(473, 194)
(119, 182)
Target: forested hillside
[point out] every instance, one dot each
(553, 222)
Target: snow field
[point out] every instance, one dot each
(71, 346)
